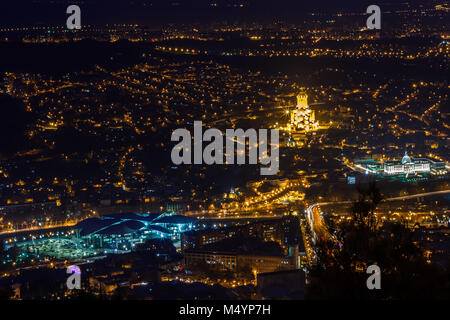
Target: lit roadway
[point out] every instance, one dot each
(263, 203)
(71, 224)
(318, 226)
(313, 216)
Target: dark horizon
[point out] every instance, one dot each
(155, 13)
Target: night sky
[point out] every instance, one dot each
(156, 12)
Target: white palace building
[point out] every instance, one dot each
(406, 166)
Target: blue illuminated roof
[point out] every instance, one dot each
(121, 228)
(126, 223)
(134, 216)
(92, 225)
(159, 228)
(175, 219)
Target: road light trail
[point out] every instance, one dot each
(317, 224)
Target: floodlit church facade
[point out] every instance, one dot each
(302, 117)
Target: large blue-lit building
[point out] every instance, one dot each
(122, 231)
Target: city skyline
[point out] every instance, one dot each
(229, 149)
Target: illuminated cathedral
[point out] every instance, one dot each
(302, 117)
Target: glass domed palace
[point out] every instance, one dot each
(406, 166)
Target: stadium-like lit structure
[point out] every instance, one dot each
(122, 231)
